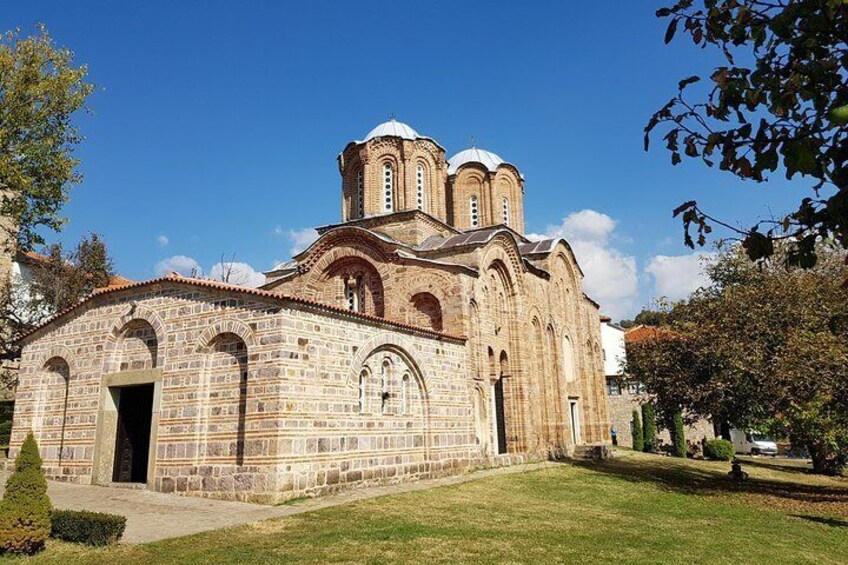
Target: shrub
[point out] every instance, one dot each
(678, 436)
(90, 528)
(719, 449)
(25, 510)
(636, 427)
(649, 428)
(5, 432)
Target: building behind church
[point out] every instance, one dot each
(422, 335)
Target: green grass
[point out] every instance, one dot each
(636, 509)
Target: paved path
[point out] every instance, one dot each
(154, 516)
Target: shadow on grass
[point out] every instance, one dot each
(834, 522)
(693, 479)
(767, 464)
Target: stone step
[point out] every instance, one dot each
(592, 452)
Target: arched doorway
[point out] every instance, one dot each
(499, 411)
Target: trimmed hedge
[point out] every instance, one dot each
(25, 510)
(649, 428)
(636, 429)
(719, 449)
(90, 528)
(678, 436)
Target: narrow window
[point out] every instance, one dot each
(363, 378)
(506, 211)
(405, 395)
(360, 195)
(419, 183)
(475, 212)
(388, 186)
(384, 393)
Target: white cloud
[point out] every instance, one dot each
(301, 239)
(234, 272)
(611, 275)
(181, 264)
(162, 240)
(676, 277)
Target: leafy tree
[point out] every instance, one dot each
(58, 281)
(765, 344)
(648, 317)
(25, 510)
(649, 428)
(678, 435)
(40, 91)
(779, 104)
(636, 428)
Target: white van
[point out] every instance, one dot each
(752, 443)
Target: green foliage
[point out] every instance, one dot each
(782, 108)
(63, 280)
(40, 90)
(636, 427)
(719, 450)
(5, 432)
(649, 428)
(764, 343)
(678, 435)
(25, 510)
(90, 528)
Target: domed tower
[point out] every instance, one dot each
(484, 190)
(391, 170)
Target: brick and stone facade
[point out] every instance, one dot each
(398, 345)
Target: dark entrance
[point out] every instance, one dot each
(132, 442)
(500, 420)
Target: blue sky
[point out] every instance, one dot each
(216, 125)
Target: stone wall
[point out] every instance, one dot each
(621, 408)
(254, 398)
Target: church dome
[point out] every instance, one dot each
(393, 128)
(474, 155)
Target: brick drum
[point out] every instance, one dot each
(423, 335)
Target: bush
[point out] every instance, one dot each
(636, 427)
(649, 428)
(719, 449)
(25, 510)
(90, 528)
(5, 432)
(678, 436)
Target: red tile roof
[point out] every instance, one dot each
(642, 333)
(174, 278)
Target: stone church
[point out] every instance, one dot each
(422, 335)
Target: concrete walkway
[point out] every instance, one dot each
(153, 516)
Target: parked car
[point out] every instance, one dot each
(752, 443)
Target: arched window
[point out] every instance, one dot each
(388, 186)
(363, 380)
(474, 212)
(360, 195)
(384, 384)
(405, 392)
(419, 185)
(352, 298)
(568, 360)
(506, 211)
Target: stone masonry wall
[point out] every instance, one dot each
(257, 400)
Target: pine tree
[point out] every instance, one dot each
(636, 426)
(678, 436)
(25, 510)
(649, 427)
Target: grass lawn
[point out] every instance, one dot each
(634, 509)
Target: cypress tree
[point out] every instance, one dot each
(636, 427)
(649, 427)
(678, 436)
(25, 510)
